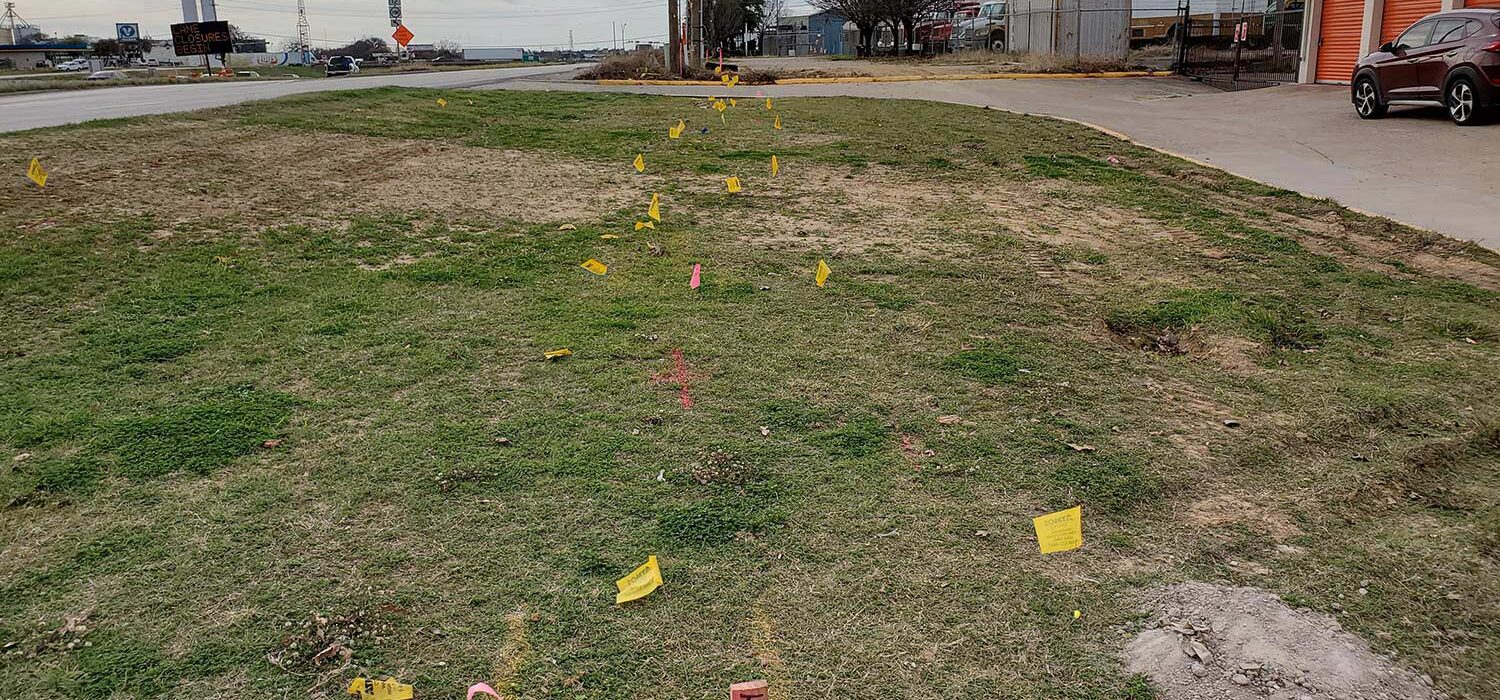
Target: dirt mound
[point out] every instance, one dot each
(1222, 643)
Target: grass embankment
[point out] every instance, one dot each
(371, 280)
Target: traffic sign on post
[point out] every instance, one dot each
(403, 36)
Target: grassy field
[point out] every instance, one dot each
(368, 281)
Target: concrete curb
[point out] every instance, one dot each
(907, 78)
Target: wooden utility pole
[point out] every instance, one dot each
(695, 33)
(674, 39)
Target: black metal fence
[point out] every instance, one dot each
(1241, 50)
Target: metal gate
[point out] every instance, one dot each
(1241, 49)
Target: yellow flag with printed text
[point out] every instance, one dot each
(639, 583)
(823, 272)
(655, 211)
(595, 266)
(733, 183)
(640, 162)
(1060, 531)
(37, 173)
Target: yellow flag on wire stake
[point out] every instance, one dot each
(777, 125)
(775, 166)
(639, 583)
(768, 104)
(37, 173)
(676, 131)
(595, 266)
(823, 272)
(733, 183)
(640, 162)
(655, 211)
(1060, 531)
(557, 354)
(645, 224)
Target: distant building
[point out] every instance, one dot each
(34, 56)
(817, 34)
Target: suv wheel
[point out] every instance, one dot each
(1463, 103)
(1367, 99)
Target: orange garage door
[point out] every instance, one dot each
(1483, 3)
(1338, 39)
(1400, 14)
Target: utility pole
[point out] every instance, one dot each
(613, 27)
(12, 21)
(304, 31)
(624, 46)
(695, 33)
(674, 40)
(570, 44)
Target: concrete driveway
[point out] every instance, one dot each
(1414, 166)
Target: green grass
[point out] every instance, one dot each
(386, 348)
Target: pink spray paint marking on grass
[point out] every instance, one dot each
(678, 374)
(697, 276)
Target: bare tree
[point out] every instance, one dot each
(774, 9)
(723, 20)
(903, 16)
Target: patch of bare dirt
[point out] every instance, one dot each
(1207, 642)
(197, 172)
(1230, 509)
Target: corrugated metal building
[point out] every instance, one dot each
(1074, 31)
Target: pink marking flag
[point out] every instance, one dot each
(697, 276)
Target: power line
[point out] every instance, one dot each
(261, 7)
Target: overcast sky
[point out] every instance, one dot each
(530, 23)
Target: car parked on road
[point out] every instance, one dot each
(341, 65)
(73, 66)
(1451, 59)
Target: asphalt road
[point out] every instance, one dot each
(1414, 167)
(30, 110)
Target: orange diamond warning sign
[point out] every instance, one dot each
(403, 36)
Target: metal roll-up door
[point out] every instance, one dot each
(1338, 39)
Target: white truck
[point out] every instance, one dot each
(494, 54)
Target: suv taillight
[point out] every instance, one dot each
(1494, 47)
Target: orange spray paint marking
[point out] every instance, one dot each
(679, 375)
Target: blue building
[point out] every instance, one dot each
(817, 34)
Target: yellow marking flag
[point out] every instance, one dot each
(388, 689)
(609, 236)
(823, 272)
(640, 162)
(558, 354)
(777, 125)
(595, 266)
(639, 583)
(768, 104)
(734, 80)
(567, 227)
(1077, 614)
(442, 102)
(1060, 531)
(733, 102)
(655, 211)
(676, 131)
(37, 173)
(645, 224)
(720, 105)
(724, 78)
(775, 166)
(733, 183)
